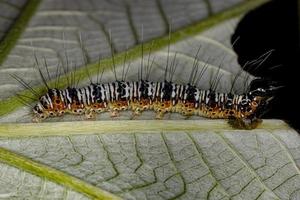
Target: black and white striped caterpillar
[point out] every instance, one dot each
(162, 97)
(244, 110)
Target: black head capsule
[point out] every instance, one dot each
(262, 92)
(39, 113)
(37, 109)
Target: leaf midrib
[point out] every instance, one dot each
(52, 174)
(12, 130)
(15, 31)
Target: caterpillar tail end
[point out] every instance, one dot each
(245, 124)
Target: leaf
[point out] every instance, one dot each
(18, 183)
(138, 159)
(191, 159)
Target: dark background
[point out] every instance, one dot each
(275, 26)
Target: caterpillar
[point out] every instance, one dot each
(167, 96)
(162, 97)
(243, 110)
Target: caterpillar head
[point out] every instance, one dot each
(262, 92)
(253, 105)
(39, 113)
(49, 105)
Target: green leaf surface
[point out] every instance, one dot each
(18, 184)
(9, 13)
(70, 158)
(195, 159)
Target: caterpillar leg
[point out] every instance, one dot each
(36, 120)
(90, 114)
(114, 113)
(139, 106)
(159, 115)
(116, 107)
(187, 117)
(247, 124)
(162, 107)
(186, 109)
(136, 113)
(39, 117)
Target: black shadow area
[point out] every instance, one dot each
(274, 26)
